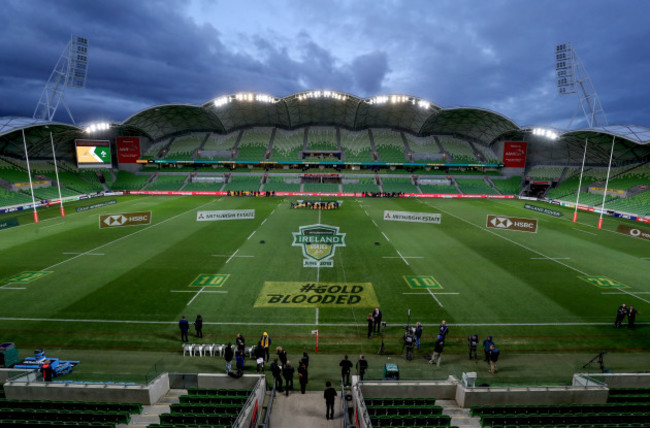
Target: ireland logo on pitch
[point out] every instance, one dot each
(318, 242)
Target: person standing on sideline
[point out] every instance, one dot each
(620, 315)
(371, 324)
(631, 317)
(266, 343)
(472, 344)
(418, 334)
(303, 376)
(198, 326)
(240, 342)
(184, 325)
(494, 357)
(259, 357)
(444, 329)
(276, 371)
(282, 354)
(346, 365)
(376, 316)
(287, 373)
(305, 359)
(239, 362)
(330, 396)
(438, 346)
(409, 342)
(486, 347)
(362, 366)
(228, 355)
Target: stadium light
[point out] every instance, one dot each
(547, 133)
(99, 126)
(399, 99)
(221, 101)
(322, 94)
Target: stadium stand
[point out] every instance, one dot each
(420, 412)
(389, 145)
(203, 187)
(638, 204)
(8, 198)
(564, 189)
(322, 138)
(548, 173)
(287, 145)
(254, 144)
(460, 151)
(282, 184)
(183, 148)
(439, 189)
(239, 183)
(474, 187)
(423, 145)
(488, 154)
(321, 187)
(217, 143)
(153, 150)
(66, 413)
(392, 184)
(364, 184)
(167, 182)
(509, 186)
(129, 181)
(356, 146)
(205, 407)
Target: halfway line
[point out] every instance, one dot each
(197, 293)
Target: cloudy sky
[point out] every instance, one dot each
(497, 55)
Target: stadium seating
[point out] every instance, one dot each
(183, 148)
(474, 187)
(206, 407)
(12, 173)
(321, 188)
(65, 413)
(154, 149)
(322, 138)
(280, 184)
(254, 144)
(365, 184)
(545, 173)
(203, 187)
(219, 143)
(8, 198)
(356, 146)
(488, 154)
(438, 189)
(167, 182)
(510, 186)
(423, 145)
(240, 183)
(396, 185)
(287, 145)
(460, 151)
(389, 145)
(637, 204)
(408, 412)
(129, 181)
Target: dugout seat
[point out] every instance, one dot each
(187, 348)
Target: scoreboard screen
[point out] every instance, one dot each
(93, 153)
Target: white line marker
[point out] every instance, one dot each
(86, 254)
(193, 291)
(619, 292)
(52, 225)
(230, 255)
(264, 221)
(126, 236)
(397, 257)
(435, 298)
(385, 236)
(375, 223)
(64, 320)
(316, 316)
(645, 258)
(402, 257)
(195, 296)
(550, 258)
(584, 231)
(233, 255)
(429, 293)
(251, 235)
(4, 287)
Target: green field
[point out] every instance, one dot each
(112, 297)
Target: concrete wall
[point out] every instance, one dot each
(38, 390)
(443, 390)
(7, 373)
(468, 397)
(622, 380)
(210, 380)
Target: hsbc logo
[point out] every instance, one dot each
(125, 219)
(511, 223)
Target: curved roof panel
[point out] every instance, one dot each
(160, 121)
(479, 124)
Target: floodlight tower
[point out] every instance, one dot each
(572, 78)
(70, 71)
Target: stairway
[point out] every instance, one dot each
(459, 417)
(151, 414)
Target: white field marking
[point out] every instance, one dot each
(233, 255)
(195, 296)
(430, 293)
(264, 221)
(435, 298)
(584, 231)
(124, 237)
(86, 254)
(192, 291)
(402, 257)
(618, 292)
(272, 212)
(373, 222)
(251, 235)
(531, 250)
(385, 236)
(316, 316)
(398, 257)
(4, 287)
(645, 258)
(550, 258)
(67, 320)
(52, 225)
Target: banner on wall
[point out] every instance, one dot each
(514, 154)
(128, 149)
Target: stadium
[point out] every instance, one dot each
(112, 232)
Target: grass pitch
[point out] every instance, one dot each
(112, 297)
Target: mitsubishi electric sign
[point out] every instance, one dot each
(511, 223)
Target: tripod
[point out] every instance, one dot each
(601, 363)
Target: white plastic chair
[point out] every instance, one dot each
(187, 348)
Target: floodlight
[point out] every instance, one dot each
(99, 126)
